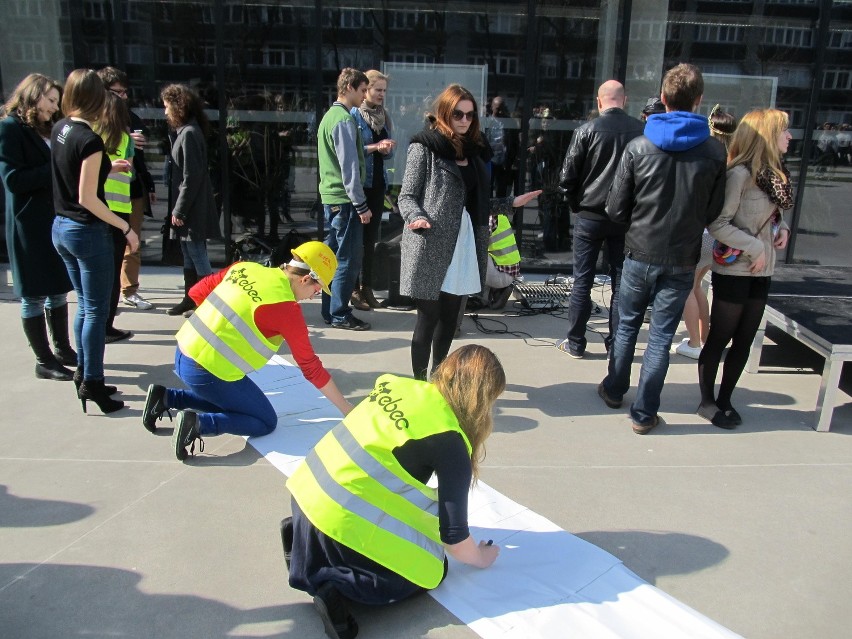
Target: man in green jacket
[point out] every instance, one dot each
(341, 173)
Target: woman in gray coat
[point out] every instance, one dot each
(445, 202)
(195, 218)
(39, 274)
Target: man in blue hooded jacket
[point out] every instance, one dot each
(670, 184)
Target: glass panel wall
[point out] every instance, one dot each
(267, 71)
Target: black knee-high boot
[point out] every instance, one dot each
(47, 366)
(57, 325)
(190, 277)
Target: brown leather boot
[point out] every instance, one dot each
(367, 296)
(358, 302)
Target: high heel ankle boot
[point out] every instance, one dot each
(78, 379)
(95, 390)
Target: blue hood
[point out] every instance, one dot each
(677, 131)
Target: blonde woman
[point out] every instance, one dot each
(757, 192)
(384, 452)
(376, 129)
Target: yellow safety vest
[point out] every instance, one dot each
(352, 488)
(502, 246)
(221, 335)
(117, 185)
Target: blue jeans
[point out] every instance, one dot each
(665, 288)
(34, 306)
(589, 235)
(346, 238)
(238, 408)
(87, 252)
(195, 257)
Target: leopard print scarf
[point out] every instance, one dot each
(780, 193)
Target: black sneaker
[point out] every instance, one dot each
(116, 335)
(155, 407)
(608, 400)
(186, 432)
(352, 323)
(336, 620)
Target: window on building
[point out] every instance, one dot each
(94, 10)
(28, 51)
(837, 79)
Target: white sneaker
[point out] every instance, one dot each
(686, 350)
(138, 301)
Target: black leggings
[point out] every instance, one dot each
(729, 322)
(434, 331)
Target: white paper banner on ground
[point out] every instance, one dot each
(546, 583)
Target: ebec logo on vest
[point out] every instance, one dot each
(238, 277)
(381, 395)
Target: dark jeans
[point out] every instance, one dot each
(317, 559)
(238, 408)
(119, 243)
(88, 254)
(665, 288)
(346, 238)
(376, 202)
(589, 235)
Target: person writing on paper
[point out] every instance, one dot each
(244, 314)
(365, 525)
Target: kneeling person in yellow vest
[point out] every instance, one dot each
(504, 263)
(365, 525)
(244, 314)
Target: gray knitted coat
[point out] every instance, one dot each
(433, 189)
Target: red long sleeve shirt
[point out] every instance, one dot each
(284, 319)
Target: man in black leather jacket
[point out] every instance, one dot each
(670, 184)
(587, 173)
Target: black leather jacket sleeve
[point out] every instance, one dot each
(592, 160)
(667, 198)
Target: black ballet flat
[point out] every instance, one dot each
(718, 418)
(734, 416)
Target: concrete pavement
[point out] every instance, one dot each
(104, 533)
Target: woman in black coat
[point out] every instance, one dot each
(195, 217)
(39, 274)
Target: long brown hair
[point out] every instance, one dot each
(113, 123)
(24, 102)
(755, 142)
(442, 117)
(471, 379)
(84, 95)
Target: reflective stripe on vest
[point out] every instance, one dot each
(352, 488)
(221, 335)
(117, 185)
(502, 246)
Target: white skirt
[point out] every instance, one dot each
(462, 277)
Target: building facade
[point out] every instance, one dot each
(267, 70)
